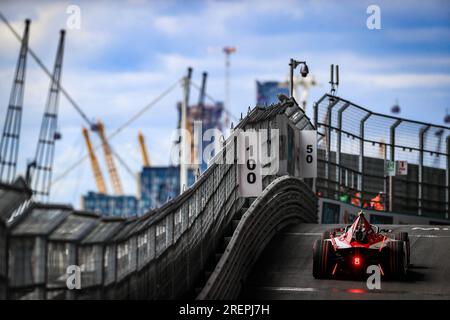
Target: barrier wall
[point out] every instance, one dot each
(285, 201)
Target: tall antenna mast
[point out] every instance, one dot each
(334, 82)
(228, 51)
(42, 174)
(9, 145)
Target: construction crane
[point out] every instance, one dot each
(9, 145)
(10, 139)
(99, 181)
(43, 161)
(202, 94)
(117, 186)
(145, 157)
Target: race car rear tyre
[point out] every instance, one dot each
(396, 264)
(322, 259)
(403, 236)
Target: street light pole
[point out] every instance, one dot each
(291, 78)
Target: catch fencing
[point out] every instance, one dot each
(356, 148)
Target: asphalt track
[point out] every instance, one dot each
(284, 269)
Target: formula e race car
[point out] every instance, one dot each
(352, 249)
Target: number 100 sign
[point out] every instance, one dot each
(250, 179)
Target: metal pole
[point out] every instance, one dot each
(183, 127)
(227, 79)
(385, 182)
(291, 78)
(447, 181)
(392, 157)
(339, 144)
(422, 132)
(361, 158)
(328, 137)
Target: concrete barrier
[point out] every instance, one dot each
(285, 201)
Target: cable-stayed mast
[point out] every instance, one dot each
(41, 176)
(9, 144)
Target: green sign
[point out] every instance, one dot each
(389, 168)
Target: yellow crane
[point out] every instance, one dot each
(145, 157)
(101, 186)
(117, 186)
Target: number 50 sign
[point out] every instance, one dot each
(308, 154)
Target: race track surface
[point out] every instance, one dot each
(284, 270)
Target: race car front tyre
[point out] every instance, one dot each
(322, 259)
(403, 236)
(396, 264)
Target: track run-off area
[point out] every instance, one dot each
(284, 269)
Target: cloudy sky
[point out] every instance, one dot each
(126, 53)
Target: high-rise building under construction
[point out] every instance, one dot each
(210, 117)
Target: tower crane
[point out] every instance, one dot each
(145, 157)
(9, 144)
(99, 181)
(117, 186)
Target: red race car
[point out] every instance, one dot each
(352, 249)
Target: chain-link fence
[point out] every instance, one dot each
(381, 162)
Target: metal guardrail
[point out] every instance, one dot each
(355, 145)
(156, 256)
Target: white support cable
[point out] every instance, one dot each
(78, 109)
(117, 131)
(45, 69)
(123, 163)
